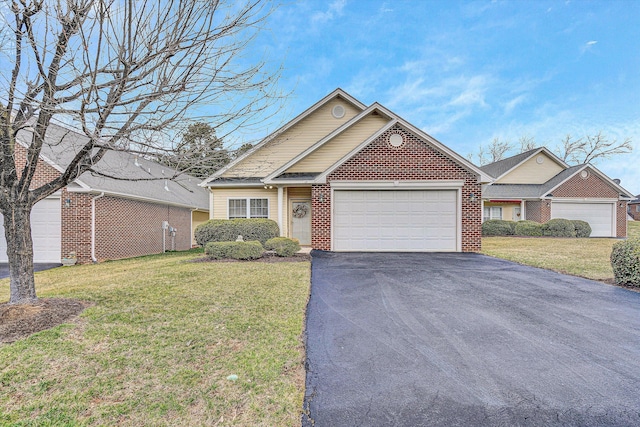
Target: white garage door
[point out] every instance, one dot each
(395, 220)
(600, 216)
(45, 231)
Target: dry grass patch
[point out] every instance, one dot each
(588, 258)
(158, 344)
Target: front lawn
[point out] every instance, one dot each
(580, 257)
(161, 346)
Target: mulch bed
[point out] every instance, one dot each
(21, 320)
(267, 257)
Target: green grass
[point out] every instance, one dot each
(580, 257)
(158, 345)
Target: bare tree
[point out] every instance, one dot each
(527, 143)
(121, 71)
(496, 151)
(591, 148)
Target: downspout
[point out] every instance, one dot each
(93, 226)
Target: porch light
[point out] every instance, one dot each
(321, 198)
(472, 197)
(268, 187)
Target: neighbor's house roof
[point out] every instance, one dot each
(139, 178)
(502, 167)
(540, 191)
(283, 173)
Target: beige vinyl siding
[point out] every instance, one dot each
(198, 218)
(293, 141)
(335, 149)
(221, 200)
(531, 172)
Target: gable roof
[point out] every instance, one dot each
(338, 93)
(502, 167)
(140, 178)
(278, 175)
(541, 191)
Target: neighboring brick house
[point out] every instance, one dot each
(344, 176)
(538, 186)
(634, 208)
(96, 218)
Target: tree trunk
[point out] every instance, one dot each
(17, 231)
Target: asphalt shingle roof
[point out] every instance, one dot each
(496, 169)
(137, 177)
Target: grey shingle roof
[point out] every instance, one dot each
(496, 169)
(560, 177)
(512, 191)
(139, 177)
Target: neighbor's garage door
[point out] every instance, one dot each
(600, 216)
(395, 220)
(45, 231)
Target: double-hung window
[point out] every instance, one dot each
(492, 212)
(248, 208)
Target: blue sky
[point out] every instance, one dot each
(468, 72)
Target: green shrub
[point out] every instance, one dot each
(235, 250)
(559, 227)
(625, 260)
(228, 230)
(528, 228)
(282, 246)
(583, 229)
(498, 227)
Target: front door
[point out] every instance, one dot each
(301, 221)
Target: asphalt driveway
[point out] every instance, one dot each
(466, 340)
(39, 266)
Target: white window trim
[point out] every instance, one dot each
(248, 206)
(484, 218)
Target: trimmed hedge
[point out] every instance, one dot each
(559, 227)
(625, 260)
(528, 228)
(498, 227)
(228, 230)
(235, 250)
(583, 229)
(282, 246)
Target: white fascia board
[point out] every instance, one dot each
(609, 181)
(441, 184)
(582, 200)
(321, 142)
(322, 178)
(132, 197)
(290, 124)
(535, 153)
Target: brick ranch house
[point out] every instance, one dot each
(634, 208)
(96, 218)
(344, 176)
(537, 185)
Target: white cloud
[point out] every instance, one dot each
(335, 9)
(512, 104)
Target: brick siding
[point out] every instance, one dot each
(577, 187)
(633, 211)
(414, 160)
(127, 228)
(124, 227)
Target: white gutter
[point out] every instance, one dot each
(93, 226)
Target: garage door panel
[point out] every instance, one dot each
(404, 220)
(45, 231)
(600, 216)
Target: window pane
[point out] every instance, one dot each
(237, 208)
(259, 208)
